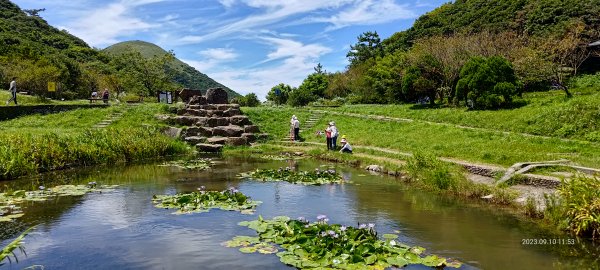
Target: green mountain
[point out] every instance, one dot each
(185, 75)
(531, 17)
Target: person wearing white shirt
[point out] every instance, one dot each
(13, 90)
(296, 127)
(334, 135)
(346, 147)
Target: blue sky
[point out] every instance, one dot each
(247, 45)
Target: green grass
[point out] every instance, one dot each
(276, 120)
(41, 143)
(543, 113)
(34, 100)
(439, 140)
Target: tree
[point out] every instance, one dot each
(567, 52)
(315, 84)
(385, 78)
(251, 100)
(279, 94)
(487, 83)
(368, 47)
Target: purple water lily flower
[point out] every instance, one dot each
(301, 219)
(332, 233)
(371, 225)
(325, 220)
(343, 228)
(321, 217)
(42, 187)
(362, 226)
(323, 234)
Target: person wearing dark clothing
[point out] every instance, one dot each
(105, 95)
(328, 137)
(13, 90)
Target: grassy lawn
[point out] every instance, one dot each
(541, 113)
(444, 141)
(33, 100)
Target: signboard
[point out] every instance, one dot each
(165, 97)
(51, 86)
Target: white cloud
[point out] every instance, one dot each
(221, 54)
(290, 62)
(368, 12)
(227, 3)
(102, 26)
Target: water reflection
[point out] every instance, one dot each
(122, 229)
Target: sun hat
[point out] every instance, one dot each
(343, 136)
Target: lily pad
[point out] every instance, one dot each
(316, 177)
(320, 245)
(195, 164)
(10, 201)
(202, 201)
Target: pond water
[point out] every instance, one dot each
(122, 229)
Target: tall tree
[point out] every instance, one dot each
(368, 47)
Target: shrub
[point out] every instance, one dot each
(487, 83)
(577, 208)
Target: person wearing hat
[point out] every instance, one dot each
(346, 147)
(334, 135)
(13, 90)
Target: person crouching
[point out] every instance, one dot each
(346, 147)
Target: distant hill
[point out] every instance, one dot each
(184, 74)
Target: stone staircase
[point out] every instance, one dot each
(211, 126)
(111, 118)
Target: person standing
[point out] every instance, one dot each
(13, 90)
(334, 135)
(328, 136)
(296, 127)
(105, 95)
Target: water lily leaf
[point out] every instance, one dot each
(8, 218)
(371, 259)
(398, 261)
(390, 236)
(248, 249)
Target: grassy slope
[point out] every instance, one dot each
(186, 75)
(33, 100)
(447, 141)
(546, 114)
(56, 141)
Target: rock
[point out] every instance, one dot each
(239, 120)
(195, 139)
(232, 112)
(186, 94)
(216, 140)
(374, 168)
(212, 148)
(195, 112)
(199, 131)
(224, 107)
(214, 113)
(162, 117)
(208, 107)
(180, 111)
(251, 129)
(185, 120)
(217, 96)
(217, 121)
(488, 197)
(228, 131)
(236, 141)
(197, 100)
(250, 137)
(173, 132)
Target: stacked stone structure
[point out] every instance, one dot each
(209, 126)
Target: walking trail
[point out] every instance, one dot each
(113, 117)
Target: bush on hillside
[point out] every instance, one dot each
(487, 83)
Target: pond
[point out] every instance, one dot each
(121, 229)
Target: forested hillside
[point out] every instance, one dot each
(183, 73)
(477, 53)
(38, 53)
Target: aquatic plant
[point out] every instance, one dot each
(194, 164)
(12, 246)
(331, 246)
(577, 207)
(10, 201)
(281, 157)
(202, 201)
(316, 177)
